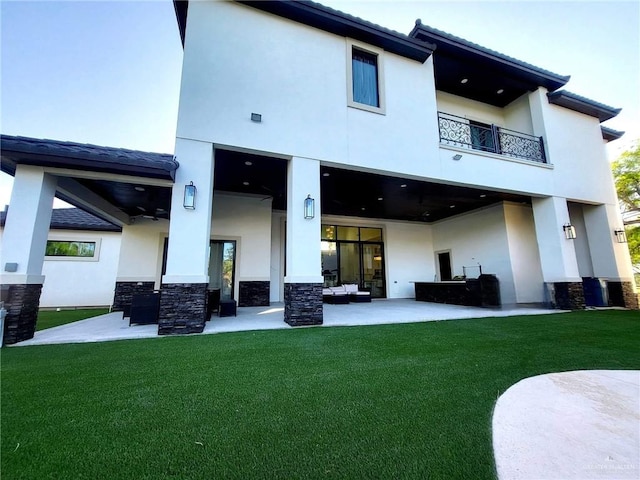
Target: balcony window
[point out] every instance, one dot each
(464, 133)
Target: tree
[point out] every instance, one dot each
(626, 171)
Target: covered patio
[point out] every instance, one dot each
(113, 326)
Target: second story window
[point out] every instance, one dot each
(364, 67)
(365, 78)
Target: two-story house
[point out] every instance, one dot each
(315, 149)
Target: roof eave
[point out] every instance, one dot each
(339, 23)
(583, 105)
(448, 44)
(609, 134)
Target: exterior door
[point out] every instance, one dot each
(222, 265)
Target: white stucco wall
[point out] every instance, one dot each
(470, 109)
(247, 220)
(523, 251)
(479, 238)
(409, 256)
(141, 251)
(296, 78)
(80, 282)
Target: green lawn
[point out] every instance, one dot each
(51, 318)
(380, 402)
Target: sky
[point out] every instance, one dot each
(108, 72)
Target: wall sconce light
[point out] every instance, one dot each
(189, 196)
(620, 234)
(256, 117)
(569, 231)
(309, 207)
(457, 157)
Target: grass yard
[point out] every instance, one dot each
(51, 318)
(407, 401)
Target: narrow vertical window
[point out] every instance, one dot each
(365, 77)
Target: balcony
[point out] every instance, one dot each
(464, 133)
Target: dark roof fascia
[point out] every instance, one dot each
(451, 45)
(340, 23)
(67, 219)
(609, 134)
(56, 154)
(584, 105)
(181, 7)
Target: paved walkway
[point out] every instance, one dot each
(113, 327)
(571, 425)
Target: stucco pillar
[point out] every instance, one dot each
(557, 254)
(23, 246)
(610, 259)
(303, 280)
(184, 286)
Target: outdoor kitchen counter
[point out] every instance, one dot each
(452, 292)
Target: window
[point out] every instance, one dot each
(482, 136)
(64, 248)
(365, 78)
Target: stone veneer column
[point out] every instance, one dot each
(622, 294)
(253, 293)
(24, 242)
(557, 253)
(568, 296)
(21, 303)
(303, 281)
(124, 291)
(183, 294)
(303, 304)
(183, 308)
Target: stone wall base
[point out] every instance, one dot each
(21, 303)
(303, 304)
(566, 295)
(124, 291)
(183, 308)
(621, 294)
(253, 294)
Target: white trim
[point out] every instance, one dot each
(379, 53)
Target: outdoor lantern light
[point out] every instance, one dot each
(190, 196)
(620, 234)
(569, 231)
(309, 207)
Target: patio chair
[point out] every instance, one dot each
(355, 294)
(145, 309)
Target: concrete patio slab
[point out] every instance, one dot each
(113, 326)
(577, 425)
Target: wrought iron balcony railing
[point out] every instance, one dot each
(461, 132)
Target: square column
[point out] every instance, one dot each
(184, 286)
(557, 253)
(23, 247)
(303, 281)
(610, 259)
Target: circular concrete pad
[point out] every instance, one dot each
(569, 425)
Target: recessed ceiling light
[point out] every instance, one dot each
(363, 208)
(139, 189)
(142, 209)
(403, 185)
(325, 174)
(500, 91)
(248, 163)
(245, 183)
(464, 80)
(380, 198)
(452, 206)
(483, 195)
(160, 210)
